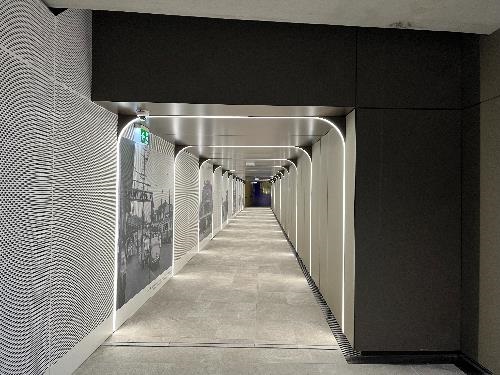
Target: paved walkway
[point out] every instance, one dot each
(241, 306)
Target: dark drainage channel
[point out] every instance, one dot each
(334, 325)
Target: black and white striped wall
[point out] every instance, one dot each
(58, 201)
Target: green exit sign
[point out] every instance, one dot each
(144, 136)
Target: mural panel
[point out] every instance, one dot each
(145, 214)
(206, 201)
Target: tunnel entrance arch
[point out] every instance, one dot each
(218, 151)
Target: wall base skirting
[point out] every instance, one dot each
(459, 359)
(205, 242)
(81, 351)
(130, 308)
(179, 264)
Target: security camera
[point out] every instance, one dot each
(143, 114)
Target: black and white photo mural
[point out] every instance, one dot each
(234, 184)
(241, 195)
(146, 206)
(206, 200)
(225, 196)
(217, 202)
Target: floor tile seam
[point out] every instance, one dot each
(224, 345)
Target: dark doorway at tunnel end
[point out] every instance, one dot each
(258, 194)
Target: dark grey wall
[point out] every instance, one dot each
(196, 60)
(408, 69)
(470, 230)
(407, 214)
(409, 88)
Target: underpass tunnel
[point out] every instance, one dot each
(187, 180)
(249, 188)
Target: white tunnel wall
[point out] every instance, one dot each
(292, 235)
(284, 201)
(318, 214)
(331, 252)
(350, 177)
(277, 202)
(273, 196)
(330, 259)
(303, 209)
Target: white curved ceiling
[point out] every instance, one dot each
(235, 131)
(251, 141)
(468, 16)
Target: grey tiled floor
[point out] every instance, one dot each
(241, 306)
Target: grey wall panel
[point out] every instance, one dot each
(350, 246)
(470, 230)
(273, 195)
(284, 201)
(290, 204)
(408, 69)
(186, 205)
(292, 232)
(332, 148)
(489, 291)
(277, 207)
(217, 199)
(317, 206)
(25, 215)
(206, 201)
(83, 220)
(407, 218)
(323, 214)
(303, 209)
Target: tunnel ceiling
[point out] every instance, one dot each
(482, 17)
(251, 141)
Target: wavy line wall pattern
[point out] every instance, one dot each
(186, 204)
(58, 184)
